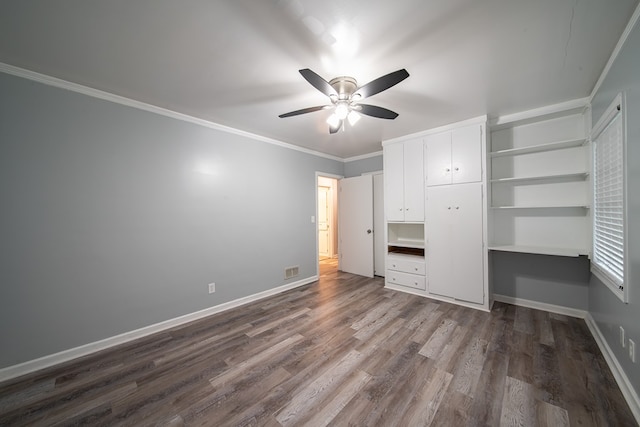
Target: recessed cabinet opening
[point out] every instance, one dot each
(406, 235)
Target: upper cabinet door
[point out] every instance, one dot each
(393, 158)
(466, 154)
(438, 158)
(414, 180)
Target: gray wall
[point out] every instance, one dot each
(549, 279)
(606, 309)
(358, 167)
(114, 218)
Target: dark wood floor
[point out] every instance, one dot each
(342, 351)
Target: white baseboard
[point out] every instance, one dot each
(83, 350)
(551, 308)
(629, 393)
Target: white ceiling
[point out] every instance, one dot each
(236, 62)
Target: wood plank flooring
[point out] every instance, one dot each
(342, 351)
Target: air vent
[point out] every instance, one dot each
(290, 272)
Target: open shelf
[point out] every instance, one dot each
(559, 145)
(406, 235)
(404, 251)
(542, 207)
(556, 177)
(570, 252)
(407, 243)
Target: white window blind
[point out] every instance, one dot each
(609, 200)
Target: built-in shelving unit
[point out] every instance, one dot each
(565, 176)
(541, 250)
(539, 185)
(550, 146)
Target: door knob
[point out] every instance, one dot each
(369, 231)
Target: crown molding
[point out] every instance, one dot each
(616, 51)
(107, 96)
(473, 121)
(362, 157)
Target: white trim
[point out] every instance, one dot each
(86, 349)
(95, 93)
(616, 107)
(450, 126)
(362, 157)
(616, 51)
(629, 393)
(551, 308)
(563, 108)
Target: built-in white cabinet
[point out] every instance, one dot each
(455, 250)
(404, 181)
(454, 157)
(440, 253)
(540, 185)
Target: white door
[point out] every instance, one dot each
(454, 245)
(414, 180)
(437, 158)
(393, 158)
(324, 212)
(466, 241)
(466, 154)
(355, 225)
(439, 253)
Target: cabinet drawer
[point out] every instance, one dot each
(409, 280)
(406, 265)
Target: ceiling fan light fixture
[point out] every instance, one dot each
(333, 120)
(342, 110)
(353, 117)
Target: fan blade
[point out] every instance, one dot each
(333, 130)
(382, 83)
(378, 112)
(304, 111)
(318, 82)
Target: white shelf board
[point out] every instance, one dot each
(559, 145)
(541, 250)
(407, 243)
(542, 207)
(580, 175)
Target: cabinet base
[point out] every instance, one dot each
(482, 307)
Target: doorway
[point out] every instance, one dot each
(328, 248)
(327, 218)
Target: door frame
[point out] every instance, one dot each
(336, 208)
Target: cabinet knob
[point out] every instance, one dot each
(394, 266)
(416, 268)
(447, 170)
(449, 208)
(400, 209)
(456, 169)
(457, 207)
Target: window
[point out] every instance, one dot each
(609, 206)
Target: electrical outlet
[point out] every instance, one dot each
(212, 288)
(632, 350)
(623, 340)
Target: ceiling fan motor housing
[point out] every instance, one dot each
(345, 86)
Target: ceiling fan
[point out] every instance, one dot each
(345, 96)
